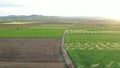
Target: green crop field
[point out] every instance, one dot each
(94, 46)
(42, 31)
(88, 46)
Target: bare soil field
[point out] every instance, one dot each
(30, 52)
(32, 65)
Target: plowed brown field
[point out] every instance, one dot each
(30, 53)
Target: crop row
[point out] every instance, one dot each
(86, 31)
(98, 65)
(92, 46)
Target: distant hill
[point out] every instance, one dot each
(12, 18)
(26, 18)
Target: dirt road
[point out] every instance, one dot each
(65, 54)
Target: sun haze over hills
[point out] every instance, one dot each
(88, 8)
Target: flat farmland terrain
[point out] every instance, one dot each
(32, 65)
(39, 31)
(30, 24)
(31, 45)
(33, 53)
(30, 49)
(94, 46)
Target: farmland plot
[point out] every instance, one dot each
(32, 65)
(96, 47)
(31, 46)
(40, 31)
(30, 53)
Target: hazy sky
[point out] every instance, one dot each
(102, 8)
